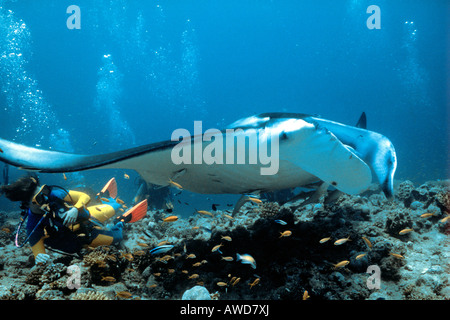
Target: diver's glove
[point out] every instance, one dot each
(70, 216)
(42, 258)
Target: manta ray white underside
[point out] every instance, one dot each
(308, 151)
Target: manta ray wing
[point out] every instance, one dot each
(307, 153)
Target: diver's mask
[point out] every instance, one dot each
(41, 198)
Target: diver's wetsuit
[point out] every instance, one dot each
(84, 232)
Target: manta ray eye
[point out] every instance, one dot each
(334, 183)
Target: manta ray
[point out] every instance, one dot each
(309, 150)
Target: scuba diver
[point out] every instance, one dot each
(59, 219)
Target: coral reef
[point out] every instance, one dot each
(325, 248)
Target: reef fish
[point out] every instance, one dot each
(246, 259)
(405, 231)
(310, 150)
(161, 249)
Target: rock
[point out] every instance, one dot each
(196, 293)
(416, 205)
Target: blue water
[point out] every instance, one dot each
(137, 70)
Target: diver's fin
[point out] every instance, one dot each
(362, 122)
(136, 213)
(111, 188)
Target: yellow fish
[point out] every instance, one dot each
(341, 264)
(341, 241)
(216, 248)
(227, 258)
(222, 284)
(254, 200)
(124, 294)
(109, 279)
(396, 255)
(305, 295)
(193, 276)
(126, 176)
(286, 233)
(142, 244)
(176, 185)
(427, 215)
(205, 212)
(254, 283)
(367, 241)
(228, 238)
(405, 231)
(359, 256)
(324, 240)
(170, 219)
(64, 175)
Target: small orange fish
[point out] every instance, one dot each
(124, 294)
(235, 281)
(176, 185)
(341, 241)
(157, 274)
(126, 176)
(205, 212)
(396, 255)
(227, 258)
(64, 176)
(98, 209)
(197, 264)
(109, 279)
(193, 276)
(359, 256)
(152, 286)
(163, 243)
(228, 216)
(324, 240)
(227, 238)
(104, 199)
(142, 244)
(190, 256)
(120, 201)
(286, 233)
(254, 200)
(254, 283)
(222, 284)
(341, 264)
(405, 231)
(444, 220)
(427, 215)
(306, 295)
(1, 151)
(139, 253)
(367, 241)
(216, 248)
(127, 256)
(170, 219)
